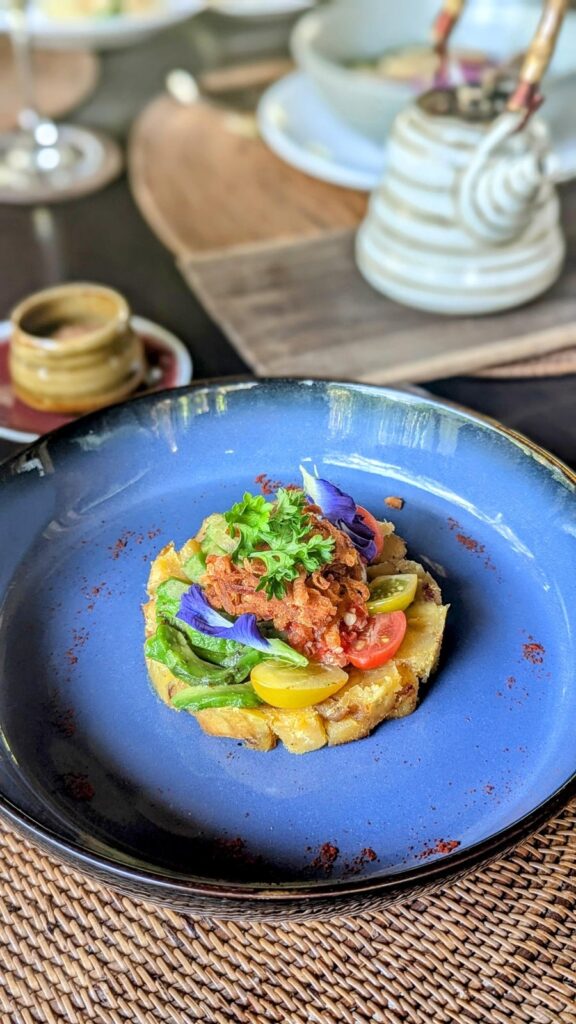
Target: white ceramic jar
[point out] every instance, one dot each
(466, 220)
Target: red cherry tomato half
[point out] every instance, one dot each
(373, 525)
(379, 641)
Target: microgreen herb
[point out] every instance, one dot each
(247, 521)
(279, 534)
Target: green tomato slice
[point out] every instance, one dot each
(392, 593)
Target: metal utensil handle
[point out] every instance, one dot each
(527, 96)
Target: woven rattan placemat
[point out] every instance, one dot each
(497, 947)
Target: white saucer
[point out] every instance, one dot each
(302, 129)
(104, 33)
(258, 8)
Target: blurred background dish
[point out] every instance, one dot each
(418, 66)
(334, 46)
(66, 9)
(301, 128)
(64, 23)
(41, 162)
(258, 8)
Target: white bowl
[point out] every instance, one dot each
(104, 33)
(323, 42)
(258, 8)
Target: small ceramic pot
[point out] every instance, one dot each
(72, 349)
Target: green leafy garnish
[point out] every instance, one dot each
(248, 521)
(195, 566)
(279, 535)
(238, 659)
(284, 558)
(197, 698)
(168, 597)
(171, 648)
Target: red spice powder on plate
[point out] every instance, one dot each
(326, 858)
(441, 846)
(533, 652)
(266, 485)
(366, 856)
(467, 542)
(78, 786)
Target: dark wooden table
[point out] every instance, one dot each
(103, 238)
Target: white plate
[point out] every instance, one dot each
(105, 33)
(170, 366)
(258, 8)
(301, 128)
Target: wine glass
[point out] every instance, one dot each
(42, 162)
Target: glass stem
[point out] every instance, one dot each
(28, 118)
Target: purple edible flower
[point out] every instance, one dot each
(201, 616)
(198, 613)
(341, 510)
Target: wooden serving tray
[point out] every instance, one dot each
(207, 184)
(269, 251)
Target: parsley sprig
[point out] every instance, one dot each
(279, 534)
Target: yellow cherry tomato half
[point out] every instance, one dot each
(392, 593)
(287, 686)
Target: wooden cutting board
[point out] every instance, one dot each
(302, 309)
(206, 183)
(269, 251)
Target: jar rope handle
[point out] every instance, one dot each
(526, 96)
(445, 24)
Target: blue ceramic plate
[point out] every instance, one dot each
(94, 765)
